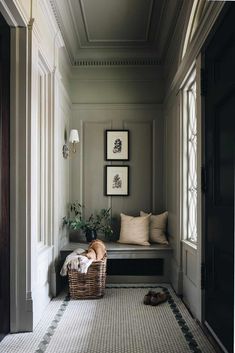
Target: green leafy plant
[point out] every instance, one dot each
(100, 221)
(104, 218)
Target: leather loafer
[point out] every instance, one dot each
(158, 298)
(148, 296)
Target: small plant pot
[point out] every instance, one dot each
(91, 234)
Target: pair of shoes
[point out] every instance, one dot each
(148, 296)
(158, 298)
(155, 298)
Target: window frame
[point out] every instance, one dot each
(190, 80)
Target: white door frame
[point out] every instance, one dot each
(21, 315)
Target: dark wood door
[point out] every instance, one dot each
(4, 177)
(219, 196)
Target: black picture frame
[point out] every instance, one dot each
(117, 145)
(121, 174)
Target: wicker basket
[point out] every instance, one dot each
(90, 285)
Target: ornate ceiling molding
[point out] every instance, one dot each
(136, 41)
(86, 50)
(172, 29)
(117, 62)
(62, 30)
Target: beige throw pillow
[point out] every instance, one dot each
(134, 230)
(157, 233)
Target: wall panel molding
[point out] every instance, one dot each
(121, 106)
(30, 291)
(152, 170)
(86, 126)
(146, 160)
(20, 193)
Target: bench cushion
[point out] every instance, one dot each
(134, 230)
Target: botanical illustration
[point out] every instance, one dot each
(117, 146)
(117, 182)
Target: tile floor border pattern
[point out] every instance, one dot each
(51, 329)
(189, 337)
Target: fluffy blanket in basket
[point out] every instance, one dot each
(80, 260)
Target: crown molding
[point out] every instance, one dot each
(49, 13)
(13, 13)
(98, 54)
(117, 62)
(194, 48)
(61, 35)
(172, 30)
(102, 53)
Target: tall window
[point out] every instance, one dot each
(190, 159)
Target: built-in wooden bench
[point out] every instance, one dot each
(132, 263)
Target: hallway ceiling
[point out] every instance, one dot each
(117, 29)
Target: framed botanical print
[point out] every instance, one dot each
(117, 145)
(117, 180)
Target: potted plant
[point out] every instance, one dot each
(104, 218)
(95, 222)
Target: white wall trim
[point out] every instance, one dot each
(176, 274)
(82, 126)
(62, 88)
(26, 270)
(21, 313)
(115, 106)
(47, 9)
(189, 244)
(194, 48)
(106, 114)
(61, 101)
(13, 13)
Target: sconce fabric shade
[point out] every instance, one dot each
(74, 136)
(73, 140)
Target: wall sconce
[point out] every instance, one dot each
(73, 139)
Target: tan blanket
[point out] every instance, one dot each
(80, 260)
(76, 261)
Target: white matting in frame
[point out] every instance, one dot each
(117, 180)
(117, 145)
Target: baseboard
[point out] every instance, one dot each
(25, 314)
(176, 277)
(2, 335)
